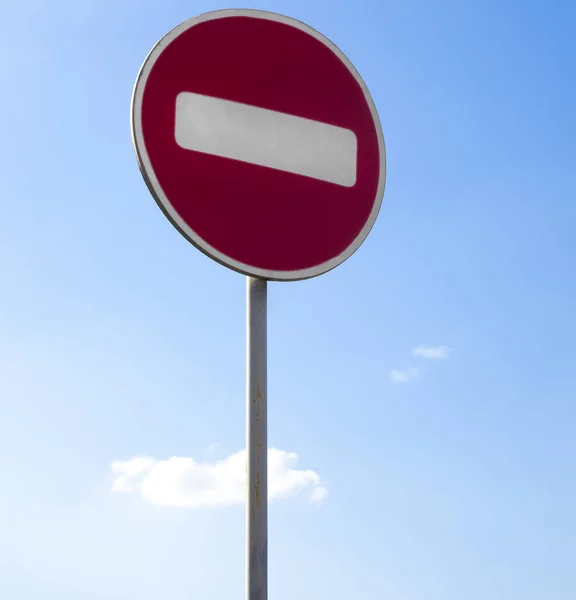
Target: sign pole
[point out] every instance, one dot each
(256, 440)
(276, 142)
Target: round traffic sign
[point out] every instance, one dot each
(260, 142)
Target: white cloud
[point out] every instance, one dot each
(181, 481)
(319, 495)
(433, 352)
(397, 376)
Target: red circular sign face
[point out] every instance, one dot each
(260, 142)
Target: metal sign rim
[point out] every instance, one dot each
(162, 200)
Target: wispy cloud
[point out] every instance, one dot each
(397, 376)
(183, 482)
(432, 352)
(319, 495)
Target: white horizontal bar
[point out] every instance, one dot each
(266, 137)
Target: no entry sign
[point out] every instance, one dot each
(260, 142)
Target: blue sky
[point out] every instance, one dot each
(455, 479)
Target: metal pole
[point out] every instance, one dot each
(256, 441)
